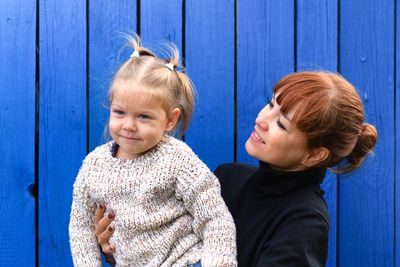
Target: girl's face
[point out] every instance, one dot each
(276, 141)
(137, 120)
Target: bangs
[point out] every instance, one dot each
(312, 97)
(151, 94)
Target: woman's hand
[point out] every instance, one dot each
(104, 229)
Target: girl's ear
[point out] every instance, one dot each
(173, 117)
(315, 157)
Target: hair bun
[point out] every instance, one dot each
(365, 143)
(368, 137)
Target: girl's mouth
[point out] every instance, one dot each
(130, 138)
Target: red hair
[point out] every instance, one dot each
(330, 112)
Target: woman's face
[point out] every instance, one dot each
(276, 141)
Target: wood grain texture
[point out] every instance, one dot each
(366, 196)
(317, 35)
(17, 134)
(317, 43)
(109, 21)
(62, 120)
(265, 53)
(161, 23)
(210, 55)
(397, 136)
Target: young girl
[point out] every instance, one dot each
(167, 203)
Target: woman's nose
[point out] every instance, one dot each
(262, 123)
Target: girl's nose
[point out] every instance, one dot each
(129, 125)
(262, 123)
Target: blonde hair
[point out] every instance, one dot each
(330, 113)
(169, 85)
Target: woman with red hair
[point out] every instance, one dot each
(314, 122)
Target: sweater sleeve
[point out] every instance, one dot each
(301, 241)
(84, 247)
(201, 194)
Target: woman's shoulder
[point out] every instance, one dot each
(309, 201)
(233, 178)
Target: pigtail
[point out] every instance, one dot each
(134, 62)
(186, 87)
(187, 105)
(173, 56)
(135, 42)
(364, 145)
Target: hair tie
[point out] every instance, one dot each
(135, 54)
(170, 66)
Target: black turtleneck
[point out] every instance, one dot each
(281, 217)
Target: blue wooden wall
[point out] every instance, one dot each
(57, 59)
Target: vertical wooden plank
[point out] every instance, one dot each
(108, 20)
(367, 196)
(317, 42)
(397, 136)
(17, 135)
(161, 22)
(265, 52)
(317, 35)
(210, 54)
(62, 132)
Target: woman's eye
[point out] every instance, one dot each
(270, 104)
(281, 125)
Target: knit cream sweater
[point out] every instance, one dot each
(168, 207)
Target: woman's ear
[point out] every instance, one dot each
(316, 156)
(172, 118)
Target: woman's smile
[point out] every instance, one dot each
(255, 137)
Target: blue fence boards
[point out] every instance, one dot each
(17, 134)
(397, 134)
(317, 35)
(234, 51)
(161, 22)
(62, 131)
(366, 226)
(210, 56)
(265, 52)
(108, 21)
(317, 24)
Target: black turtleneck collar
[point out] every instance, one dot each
(279, 182)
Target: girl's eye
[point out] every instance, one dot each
(118, 112)
(281, 125)
(270, 104)
(143, 116)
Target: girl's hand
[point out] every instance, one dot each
(104, 229)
